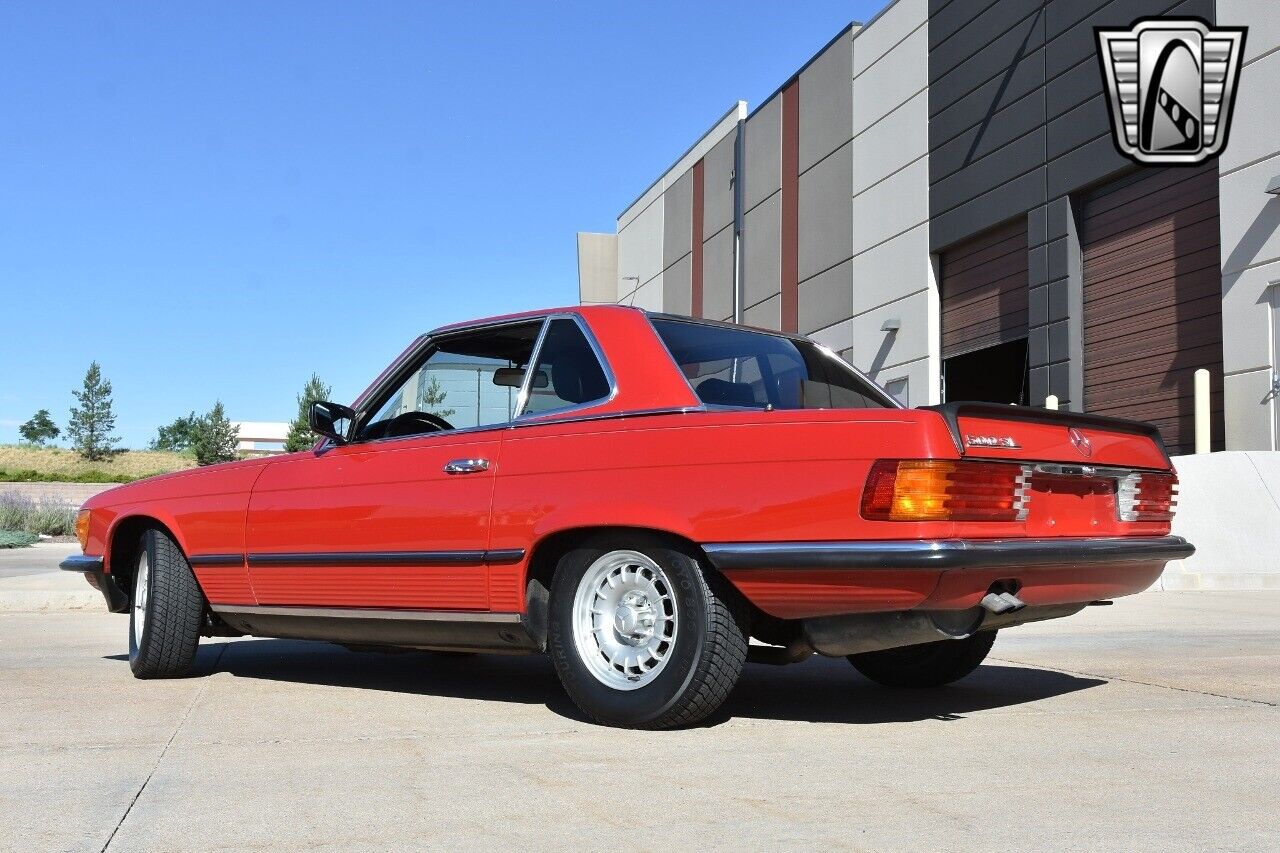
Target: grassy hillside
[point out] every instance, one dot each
(20, 463)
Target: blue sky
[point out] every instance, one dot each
(215, 199)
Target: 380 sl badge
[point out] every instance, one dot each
(1005, 441)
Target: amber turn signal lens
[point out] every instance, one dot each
(940, 490)
(82, 528)
(907, 491)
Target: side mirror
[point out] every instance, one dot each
(324, 417)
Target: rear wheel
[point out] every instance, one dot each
(927, 664)
(640, 636)
(166, 611)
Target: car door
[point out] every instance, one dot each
(399, 517)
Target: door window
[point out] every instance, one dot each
(568, 374)
(467, 380)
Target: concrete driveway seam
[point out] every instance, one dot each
(1136, 681)
(182, 721)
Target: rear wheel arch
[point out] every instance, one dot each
(551, 548)
(669, 671)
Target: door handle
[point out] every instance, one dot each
(466, 466)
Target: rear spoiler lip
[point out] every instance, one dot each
(952, 412)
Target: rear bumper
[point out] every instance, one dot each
(91, 567)
(801, 580)
(943, 554)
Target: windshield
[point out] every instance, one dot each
(738, 367)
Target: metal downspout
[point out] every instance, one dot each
(739, 143)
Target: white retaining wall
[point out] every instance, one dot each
(1229, 508)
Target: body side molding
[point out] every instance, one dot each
(378, 558)
(216, 559)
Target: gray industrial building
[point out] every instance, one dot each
(937, 196)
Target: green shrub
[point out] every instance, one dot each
(19, 513)
(16, 539)
(13, 511)
(28, 475)
(49, 520)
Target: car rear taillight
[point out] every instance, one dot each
(1144, 496)
(938, 490)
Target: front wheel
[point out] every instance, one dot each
(640, 636)
(927, 664)
(166, 611)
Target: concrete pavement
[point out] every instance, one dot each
(30, 580)
(1149, 724)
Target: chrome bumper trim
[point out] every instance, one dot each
(941, 554)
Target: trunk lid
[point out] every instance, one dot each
(1084, 471)
(1026, 434)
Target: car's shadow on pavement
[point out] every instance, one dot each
(829, 690)
(819, 690)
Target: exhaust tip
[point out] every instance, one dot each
(1015, 603)
(1002, 602)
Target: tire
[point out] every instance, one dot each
(689, 640)
(925, 665)
(165, 612)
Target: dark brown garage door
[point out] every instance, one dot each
(984, 290)
(1152, 299)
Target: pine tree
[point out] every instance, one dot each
(432, 396)
(300, 435)
(92, 422)
(40, 428)
(177, 436)
(214, 438)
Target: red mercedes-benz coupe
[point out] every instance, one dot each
(640, 495)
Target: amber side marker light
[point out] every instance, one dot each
(82, 528)
(939, 490)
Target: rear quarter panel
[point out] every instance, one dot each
(709, 477)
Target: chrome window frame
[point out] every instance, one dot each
(526, 389)
(413, 359)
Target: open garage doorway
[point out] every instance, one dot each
(996, 374)
(984, 317)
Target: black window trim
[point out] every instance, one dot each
(884, 396)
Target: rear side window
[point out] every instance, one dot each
(739, 367)
(568, 372)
